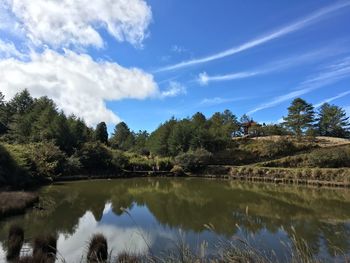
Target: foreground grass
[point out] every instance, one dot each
(14, 203)
(97, 251)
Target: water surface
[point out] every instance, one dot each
(156, 214)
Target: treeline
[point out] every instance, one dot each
(215, 134)
(39, 140)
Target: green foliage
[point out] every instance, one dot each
(158, 140)
(332, 121)
(101, 133)
(177, 170)
(164, 164)
(119, 160)
(300, 116)
(95, 157)
(122, 138)
(48, 159)
(193, 161)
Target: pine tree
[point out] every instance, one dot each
(101, 133)
(332, 121)
(300, 116)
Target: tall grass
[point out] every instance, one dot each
(236, 250)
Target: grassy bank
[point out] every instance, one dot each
(14, 203)
(337, 177)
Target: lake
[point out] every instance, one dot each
(158, 214)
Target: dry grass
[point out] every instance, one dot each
(14, 203)
(321, 141)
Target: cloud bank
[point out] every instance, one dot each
(77, 83)
(76, 23)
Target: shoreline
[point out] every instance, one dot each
(288, 176)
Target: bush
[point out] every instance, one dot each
(120, 161)
(177, 170)
(193, 161)
(164, 164)
(141, 163)
(72, 165)
(48, 159)
(330, 158)
(94, 156)
(276, 148)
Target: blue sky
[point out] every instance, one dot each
(163, 58)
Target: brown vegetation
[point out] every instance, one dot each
(14, 203)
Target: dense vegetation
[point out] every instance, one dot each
(40, 142)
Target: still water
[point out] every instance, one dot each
(156, 214)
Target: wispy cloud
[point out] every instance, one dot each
(275, 66)
(218, 100)
(8, 49)
(175, 88)
(340, 95)
(327, 76)
(204, 78)
(297, 25)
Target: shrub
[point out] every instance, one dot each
(276, 148)
(330, 158)
(141, 163)
(72, 165)
(193, 161)
(119, 160)
(94, 156)
(164, 164)
(177, 170)
(48, 159)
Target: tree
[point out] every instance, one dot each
(21, 102)
(101, 133)
(158, 140)
(180, 137)
(300, 116)
(122, 137)
(332, 121)
(3, 127)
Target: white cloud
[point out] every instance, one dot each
(66, 22)
(298, 25)
(175, 88)
(275, 66)
(340, 95)
(77, 83)
(329, 75)
(178, 49)
(8, 49)
(218, 100)
(204, 78)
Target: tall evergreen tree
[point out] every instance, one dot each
(300, 116)
(101, 133)
(21, 102)
(122, 138)
(332, 121)
(3, 127)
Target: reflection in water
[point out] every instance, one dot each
(161, 211)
